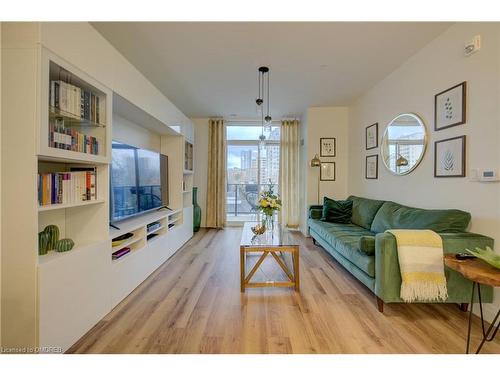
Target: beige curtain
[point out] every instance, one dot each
(289, 173)
(216, 190)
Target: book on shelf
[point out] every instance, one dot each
(76, 101)
(68, 138)
(119, 253)
(67, 187)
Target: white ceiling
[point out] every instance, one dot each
(210, 69)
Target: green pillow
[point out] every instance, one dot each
(336, 211)
(367, 245)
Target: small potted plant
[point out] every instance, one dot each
(269, 203)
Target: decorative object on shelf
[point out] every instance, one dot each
(64, 244)
(449, 157)
(403, 144)
(327, 171)
(450, 107)
(258, 229)
(327, 147)
(488, 255)
(196, 211)
(371, 167)
(43, 242)
(269, 203)
(53, 231)
(117, 241)
(371, 136)
(315, 163)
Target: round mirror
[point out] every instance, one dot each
(403, 144)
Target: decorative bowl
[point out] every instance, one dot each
(121, 239)
(488, 255)
(258, 229)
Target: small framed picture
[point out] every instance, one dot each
(371, 136)
(327, 171)
(371, 167)
(327, 147)
(449, 157)
(450, 107)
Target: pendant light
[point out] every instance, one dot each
(261, 101)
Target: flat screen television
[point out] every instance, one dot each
(138, 182)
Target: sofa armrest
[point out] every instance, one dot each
(458, 242)
(388, 274)
(315, 212)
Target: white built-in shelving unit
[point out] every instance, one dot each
(62, 295)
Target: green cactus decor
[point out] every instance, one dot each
(43, 242)
(53, 232)
(64, 244)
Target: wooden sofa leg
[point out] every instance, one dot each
(314, 241)
(380, 305)
(463, 307)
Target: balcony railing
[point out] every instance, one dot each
(242, 199)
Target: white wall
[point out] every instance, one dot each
(323, 122)
(200, 163)
(411, 88)
(133, 134)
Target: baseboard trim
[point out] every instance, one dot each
(489, 311)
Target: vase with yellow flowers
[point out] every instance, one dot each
(269, 203)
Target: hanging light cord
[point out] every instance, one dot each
(260, 73)
(268, 97)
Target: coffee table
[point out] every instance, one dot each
(278, 243)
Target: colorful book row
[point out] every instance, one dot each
(71, 139)
(76, 101)
(66, 187)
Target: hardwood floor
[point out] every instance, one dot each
(193, 304)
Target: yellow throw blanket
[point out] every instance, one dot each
(420, 254)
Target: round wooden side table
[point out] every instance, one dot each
(479, 272)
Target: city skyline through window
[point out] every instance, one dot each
(251, 167)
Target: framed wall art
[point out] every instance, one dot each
(371, 167)
(450, 107)
(327, 171)
(327, 147)
(449, 157)
(371, 136)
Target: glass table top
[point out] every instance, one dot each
(276, 237)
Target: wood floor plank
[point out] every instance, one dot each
(193, 304)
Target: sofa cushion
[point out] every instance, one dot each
(367, 245)
(364, 210)
(344, 238)
(396, 216)
(336, 211)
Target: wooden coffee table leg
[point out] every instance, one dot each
(242, 268)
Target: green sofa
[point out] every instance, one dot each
(378, 268)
